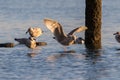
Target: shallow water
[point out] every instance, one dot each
(49, 63)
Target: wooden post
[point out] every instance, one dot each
(93, 14)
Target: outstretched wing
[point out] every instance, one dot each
(78, 29)
(34, 32)
(55, 28)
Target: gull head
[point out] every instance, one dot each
(117, 33)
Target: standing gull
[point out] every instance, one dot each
(60, 36)
(29, 42)
(34, 32)
(117, 36)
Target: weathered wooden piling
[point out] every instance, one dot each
(93, 14)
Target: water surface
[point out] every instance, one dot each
(49, 63)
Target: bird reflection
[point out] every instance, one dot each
(31, 54)
(55, 57)
(34, 52)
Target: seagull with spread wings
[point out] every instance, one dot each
(64, 39)
(34, 32)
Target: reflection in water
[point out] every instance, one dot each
(57, 56)
(96, 68)
(90, 55)
(31, 54)
(94, 55)
(88, 67)
(69, 51)
(34, 52)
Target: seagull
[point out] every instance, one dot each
(29, 42)
(64, 39)
(117, 36)
(34, 32)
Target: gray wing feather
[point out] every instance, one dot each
(55, 28)
(78, 29)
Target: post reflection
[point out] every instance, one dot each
(95, 68)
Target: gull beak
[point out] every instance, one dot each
(29, 30)
(26, 32)
(115, 33)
